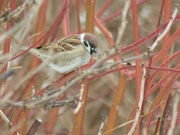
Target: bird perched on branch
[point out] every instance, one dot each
(68, 53)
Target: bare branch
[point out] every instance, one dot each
(141, 98)
(123, 24)
(174, 114)
(156, 43)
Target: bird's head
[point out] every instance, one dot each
(89, 41)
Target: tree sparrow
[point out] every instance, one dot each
(69, 53)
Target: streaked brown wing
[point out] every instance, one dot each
(67, 44)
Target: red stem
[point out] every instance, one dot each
(118, 13)
(45, 36)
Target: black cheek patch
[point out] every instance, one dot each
(86, 44)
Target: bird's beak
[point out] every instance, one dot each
(95, 51)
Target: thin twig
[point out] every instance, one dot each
(141, 98)
(120, 126)
(6, 75)
(101, 127)
(156, 43)
(157, 126)
(10, 16)
(34, 127)
(174, 114)
(123, 24)
(23, 26)
(166, 112)
(80, 99)
(12, 31)
(5, 118)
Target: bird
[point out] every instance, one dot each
(69, 53)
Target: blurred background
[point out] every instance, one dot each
(17, 87)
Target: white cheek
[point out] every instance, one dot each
(82, 37)
(89, 49)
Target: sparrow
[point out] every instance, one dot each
(69, 53)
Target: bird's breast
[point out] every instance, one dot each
(70, 60)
